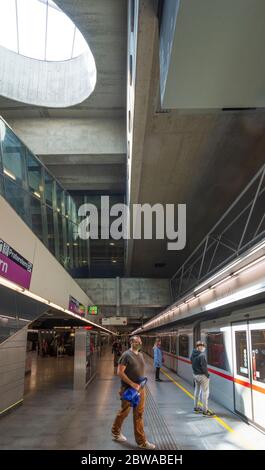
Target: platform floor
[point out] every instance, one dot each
(54, 417)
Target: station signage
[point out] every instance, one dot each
(92, 310)
(14, 267)
(114, 321)
(76, 307)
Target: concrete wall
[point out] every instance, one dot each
(49, 279)
(12, 370)
(133, 292)
(71, 136)
(37, 82)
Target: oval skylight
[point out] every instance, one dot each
(40, 30)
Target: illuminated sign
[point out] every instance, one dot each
(114, 321)
(76, 307)
(14, 266)
(93, 310)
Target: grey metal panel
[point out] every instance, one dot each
(12, 369)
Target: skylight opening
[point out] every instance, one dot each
(40, 30)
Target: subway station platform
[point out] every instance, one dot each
(53, 416)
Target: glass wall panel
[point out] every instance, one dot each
(1, 185)
(50, 227)
(48, 189)
(62, 237)
(13, 156)
(40, 200)
(36, 216)
(69, 244)
(59, 199)
(17, 198)
(34, 175)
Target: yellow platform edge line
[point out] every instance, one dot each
(216, 417)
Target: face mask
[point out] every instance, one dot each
(137, 347)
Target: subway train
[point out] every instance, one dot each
(235, 351)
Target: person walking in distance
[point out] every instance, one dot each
(158, 358)
(201, 378)
(131, 370)
(116, 350)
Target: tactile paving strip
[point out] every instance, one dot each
(158, 429)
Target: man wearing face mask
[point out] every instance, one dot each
(201, 378)
(130, 370)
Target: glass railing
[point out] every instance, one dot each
(241, 226)
(39, 199)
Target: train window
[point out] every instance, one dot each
(216, 350)
(184, 345)
(241, 353)
(174, 344)
(165, 343)
(258, 355)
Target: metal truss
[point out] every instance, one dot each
(240, 227)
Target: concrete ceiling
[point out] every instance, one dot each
(104, 25)
(211, 54)
(201, 158)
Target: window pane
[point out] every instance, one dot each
(184, 345)
(216, 350)
(59, 199)
(73, 211)
(32, 28)
(1, 185)
(61, 239)
(13, 152)
(258, 355)
(241, 353)
(8, 25)
(60, 34)
(174, 344)
(51, 236)
(17, 198)
(165, 343)
(36, 218)
(69, 243)
(34, 175)
(48, 189)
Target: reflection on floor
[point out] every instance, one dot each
(53, 416)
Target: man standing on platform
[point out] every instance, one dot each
(130, 370)
(201, 379)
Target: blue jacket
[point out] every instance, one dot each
(157, 357)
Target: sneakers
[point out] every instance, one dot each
(147, 445)
(119, 438)
(159, 380)
(198, 410)
(208, 413)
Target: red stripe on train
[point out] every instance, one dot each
(221, 374)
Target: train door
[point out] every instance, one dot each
(257, 348)
(242, 372)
